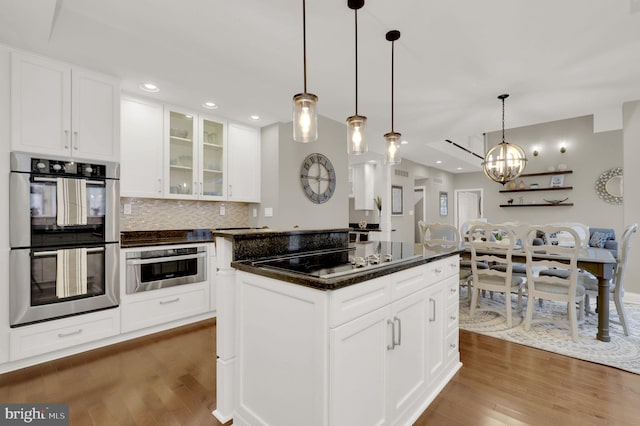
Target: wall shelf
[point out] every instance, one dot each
(557, 172)
(550, 188)
(537, 205)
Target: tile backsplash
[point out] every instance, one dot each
(152, 214)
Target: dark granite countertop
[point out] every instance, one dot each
(345, 280)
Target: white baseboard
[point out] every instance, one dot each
(632, 298)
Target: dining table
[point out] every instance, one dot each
(600, 262)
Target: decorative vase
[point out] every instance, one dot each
(521, 185)
(512, 185)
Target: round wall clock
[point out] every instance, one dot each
(318, 178)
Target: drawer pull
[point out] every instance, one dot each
(433, 315)
(452, 345)
(393, 335)
(452, 317)
(438, 270)
(453, 265)
(165, 302)
(73, 333)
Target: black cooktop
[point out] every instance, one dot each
(338, 262)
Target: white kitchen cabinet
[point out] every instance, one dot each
(376, 352)
(149, 308)
(50, 336)
(141, 168)
(243, 163)
(62, 110)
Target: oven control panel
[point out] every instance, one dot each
(67, 168)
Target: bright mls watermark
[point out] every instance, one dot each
(34, 414)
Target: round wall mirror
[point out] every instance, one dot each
(609, 186)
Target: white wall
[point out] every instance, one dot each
(281, 187)
(631, 207)
(5, 86)
(588, 155)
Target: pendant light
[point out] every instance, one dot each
(357, 143)
(305, 116)
(392, 151)
(505, 161)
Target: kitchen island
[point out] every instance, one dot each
(372, 346)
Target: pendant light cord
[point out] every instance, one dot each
(356, 26)
(304, 42)
(503, 119)
(393, 43)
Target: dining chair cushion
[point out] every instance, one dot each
(467, 264)
(516, 282)
(585, 278)
(516, 268)
(558, 289)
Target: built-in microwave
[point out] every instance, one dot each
(154, 268)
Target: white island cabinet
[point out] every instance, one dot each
(373, 353)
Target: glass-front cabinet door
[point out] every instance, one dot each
(214, 173)
(182, 155)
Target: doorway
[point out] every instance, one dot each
(468, 205)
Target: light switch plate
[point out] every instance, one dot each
(127, 208)
(268, 212)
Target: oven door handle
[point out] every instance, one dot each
(165, 259)
(54, 252)
(48, 179)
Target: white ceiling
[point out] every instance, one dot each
(557, 59)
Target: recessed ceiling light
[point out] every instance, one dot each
(404, 142)
(149, 87)
(439, 162)
(458, 168)
(254, 117)
(210, 105)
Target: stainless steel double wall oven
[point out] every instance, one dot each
(64, 236)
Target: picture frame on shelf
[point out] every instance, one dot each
(557, 181)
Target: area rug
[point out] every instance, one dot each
(622, 351)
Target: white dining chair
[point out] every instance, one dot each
(616, 287)
(486, 248)
(562, 286)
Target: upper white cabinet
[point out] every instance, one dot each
(141, 166)
(243, 163)
(195, 156)
(59, 109)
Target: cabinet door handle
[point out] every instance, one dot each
(201, 189)
(399, 330)
(433, 312)
(75, 145)
(159, 185)
(453, 290)
(230, 191)
(67, 140)
(165, 302)
(73, 333)
(452, 317)
(393, 336)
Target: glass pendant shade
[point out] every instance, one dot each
(392, 152)
(504, 162)
(305, 118)
(356, 140)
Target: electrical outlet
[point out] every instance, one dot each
(222, 210)
(127, 208)
(255, 212)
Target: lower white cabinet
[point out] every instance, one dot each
(374, 353)
(64, 333)
(149, 308)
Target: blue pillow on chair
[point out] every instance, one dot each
(599, 239)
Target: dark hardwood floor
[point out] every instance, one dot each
(169, 379)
